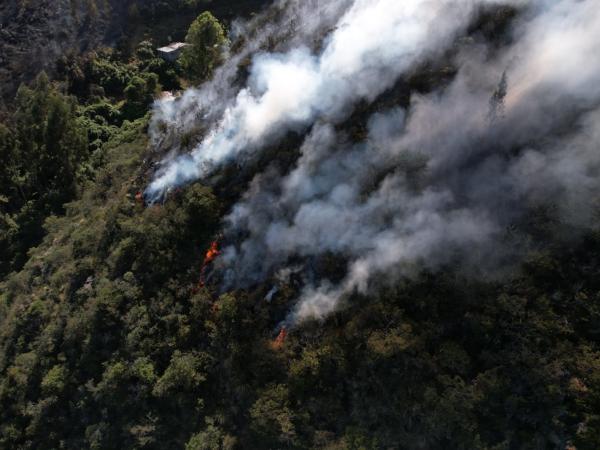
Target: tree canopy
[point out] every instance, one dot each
(42, 149)
(206, 40)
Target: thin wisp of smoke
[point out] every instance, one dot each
(436, 184)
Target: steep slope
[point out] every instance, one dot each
(35, 33)
(107, 341)
(124, 329)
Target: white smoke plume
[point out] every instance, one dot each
(289, 24)
(374, 42)
(479, 175)
(439, 183)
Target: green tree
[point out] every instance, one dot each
(205, 39)
(139, 94)
(210, 439)
(184, 374)
(273, 417)
(43, 147)
(54, 381)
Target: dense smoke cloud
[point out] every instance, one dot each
(289, 23)
(437, 184)
(374, 42)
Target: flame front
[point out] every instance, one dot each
(277, 344)
(210, 256)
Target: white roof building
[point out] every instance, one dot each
(172, 51)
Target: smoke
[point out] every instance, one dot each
(474, 176)
(374, 42)
(440, 183)
(288, 24)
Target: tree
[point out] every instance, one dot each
(139, 94)
(184, 374)
(273, 417)
(205, 39)
(7, 155)
(43, 150)
(211, 438)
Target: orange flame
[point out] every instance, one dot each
(139, 197)
(277, 344)
(210, 256)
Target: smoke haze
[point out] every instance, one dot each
(439, 183)
(374, 42)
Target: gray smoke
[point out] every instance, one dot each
(289, 24)
(373, 43)
(451, 176)
(437, 184)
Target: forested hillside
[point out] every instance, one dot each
(246, 249)
(40, 35)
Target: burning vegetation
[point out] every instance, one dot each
(367, 233)
(279, 341)
(211, 254)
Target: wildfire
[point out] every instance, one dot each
(210, 256)
(277, 344)
(139, 197)
(211, 253)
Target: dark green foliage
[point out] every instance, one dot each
(205, 40)
(52, 143)
(109, 343)
(42, 148)
(139, 94)
(106, 75)
(122, 253)
(148, 62)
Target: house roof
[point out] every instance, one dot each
(172, 47)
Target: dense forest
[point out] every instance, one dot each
(133, 317)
